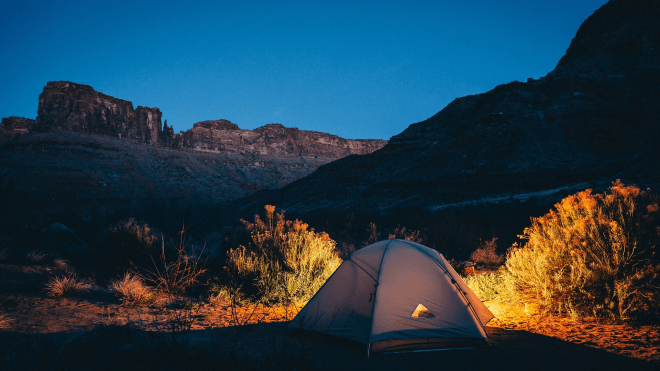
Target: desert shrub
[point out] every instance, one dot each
(595, 254)
(486, 255)
(65, 285)
(459, 266)
(399, 232)
(490, 286)
(131, 240)
(217, 292)
(285, 261)
(61, 264)
(175, 275)
(402, 233)
(131, 289)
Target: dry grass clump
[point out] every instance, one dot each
(65, 285)
(218, 294)
(594, 255)
(62, 264)
(486, 255)
(132, 290)
(285, 260)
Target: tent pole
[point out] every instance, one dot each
(373, 307)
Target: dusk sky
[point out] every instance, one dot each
(357, 69)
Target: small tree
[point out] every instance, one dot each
(487, 255)
(595, 254)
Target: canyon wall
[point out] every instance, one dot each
(79, 108)
(75, 107)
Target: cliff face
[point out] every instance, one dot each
(222, 136)
(13, 127)
(75, 107)
(18, 124)
(52, 170)
(79, 108)
(594, 119)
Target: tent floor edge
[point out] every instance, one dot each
(417, 344)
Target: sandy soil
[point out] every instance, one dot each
(520, 340)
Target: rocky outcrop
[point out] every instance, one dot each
(79, 108)
(594, 119)
(620, 38)
(75, 107)
(17, 124)
(60, 173)
(13, 127)
(222, 136)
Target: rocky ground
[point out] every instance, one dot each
(258, 335)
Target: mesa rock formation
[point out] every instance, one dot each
(79, 108)
(89, 156)
(593, 119)
(222, 136)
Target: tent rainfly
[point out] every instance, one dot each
(397, 295)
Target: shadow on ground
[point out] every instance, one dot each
(270, 346)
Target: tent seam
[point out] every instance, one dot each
(364, 270)
(373, 307)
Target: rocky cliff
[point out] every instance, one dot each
(594, 119)
(222, 136)
(13, 127)
(75, 107)
(52, 169)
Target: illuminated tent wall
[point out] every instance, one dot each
(397, 295)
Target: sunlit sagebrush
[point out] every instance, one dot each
(285, 260)
(594, 255)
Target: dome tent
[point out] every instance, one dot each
(397, 295)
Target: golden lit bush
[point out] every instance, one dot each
(285, 260)
(594, 255)
(130, 289)
(65, 285)
(489, 286)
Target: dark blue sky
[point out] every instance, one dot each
(358, 69)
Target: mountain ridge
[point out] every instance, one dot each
(586, 122)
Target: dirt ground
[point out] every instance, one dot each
(521, 340)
